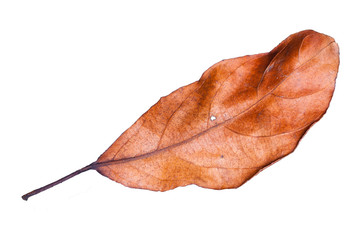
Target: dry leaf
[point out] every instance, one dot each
(242, 115)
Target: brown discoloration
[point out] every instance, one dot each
(243, 115)
(262, 104)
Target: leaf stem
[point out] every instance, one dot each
(39, 190)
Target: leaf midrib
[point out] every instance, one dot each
(149, 154)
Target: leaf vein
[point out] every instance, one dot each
(110, 162)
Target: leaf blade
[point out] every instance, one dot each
(221, 130)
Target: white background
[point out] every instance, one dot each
(76, 74)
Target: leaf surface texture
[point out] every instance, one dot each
(242, 115)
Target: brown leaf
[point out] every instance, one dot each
(242, 115)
